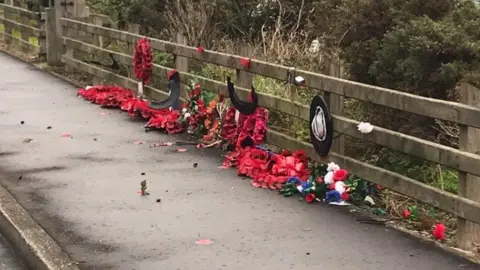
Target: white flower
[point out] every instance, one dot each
(332, 167)
(184, 110)
(299, 80)
(340, 187)
(369, 200)
(328, 179)
(187, 115)
(365, 127)
(313, 187)
(88, 87)
(299, 188)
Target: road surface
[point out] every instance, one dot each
(8, 260)
(83, 191)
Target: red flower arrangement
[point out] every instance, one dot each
(267, 170)
(142, 61)
(229, 128)
(117, 97)
(167, 120)
(284, 166)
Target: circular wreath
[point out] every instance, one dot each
(142, 61)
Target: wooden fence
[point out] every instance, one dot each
(66, 36)
(25, 29)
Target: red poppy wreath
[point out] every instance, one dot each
(142, 61)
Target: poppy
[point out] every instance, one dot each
(406, 214)
(439, 231)
(340, 175)
(310, 198)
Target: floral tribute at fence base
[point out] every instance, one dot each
(208, 116)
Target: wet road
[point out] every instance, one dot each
(8, 261)
(82, 190)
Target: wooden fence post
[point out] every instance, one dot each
(97, 41)
(54, 33)
(243, 78)
(181, 65)
(25, 35)
(336, 104)
(468, 233)
(135, 29)
(42, 40)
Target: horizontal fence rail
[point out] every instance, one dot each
(29, 24)
(434, 152)
(440, 109)
(454, 158)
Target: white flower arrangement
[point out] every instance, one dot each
(365, 128)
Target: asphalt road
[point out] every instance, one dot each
(8, 260)
(83, 191)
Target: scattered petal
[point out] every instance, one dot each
(255, 184)
(105, 113)
(161, 144)
(204, 242)
(139, 142)
(66, 135)
(181, 150)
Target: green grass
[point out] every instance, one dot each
(17, 34)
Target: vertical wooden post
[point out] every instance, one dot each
(8, 30)
(135, 29)
(468, 233)
(42, 40)
(25, 35)
(181, 65)
(243, 78)
(336, 104)
(97, 41)
(54, 32)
